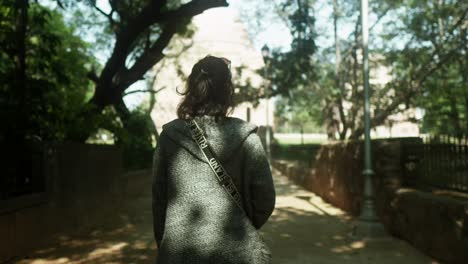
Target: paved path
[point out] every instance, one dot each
(302, 230)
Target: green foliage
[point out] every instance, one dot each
(56, 85)
(422, 44)
(290, 74)
(293, 72)
(297, 116)
(244, 89)
(131, 37)
(445, 102)
(137, 141)
(432, 66)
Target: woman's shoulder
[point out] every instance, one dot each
(173, 123)
(211, 124)
(242, 123)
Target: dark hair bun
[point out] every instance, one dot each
(209, 89)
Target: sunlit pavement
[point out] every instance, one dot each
(303, 229)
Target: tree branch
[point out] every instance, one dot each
(147, 60)
(130, 32)
(435, 67)
(282, 16)
(154, 54)
(193, 8)
(462, 21)
(144, 91)
(102, 12)
(415, 86)
(60, 4)
(108, 16)
(184, 49)
(358, 36)
(117, 8)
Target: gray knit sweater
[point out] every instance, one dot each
(195, 220)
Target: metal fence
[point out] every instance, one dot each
(444, 162)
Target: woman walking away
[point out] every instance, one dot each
(212, 187)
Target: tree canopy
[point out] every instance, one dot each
(57, 86)
(54, 88)
(141, 31)
(41, 96)
(420, 44)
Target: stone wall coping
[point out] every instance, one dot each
(431, 195)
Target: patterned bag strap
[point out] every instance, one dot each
(221, 174)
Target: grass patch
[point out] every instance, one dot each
(298, 141)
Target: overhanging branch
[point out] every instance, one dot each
(148, 59)
(144, 91)
(130, 32)
(193, 8)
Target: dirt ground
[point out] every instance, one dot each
(303, 229)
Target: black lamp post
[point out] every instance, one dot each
(368, 224)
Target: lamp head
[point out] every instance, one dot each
(265, 51)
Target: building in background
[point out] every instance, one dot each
(218, 32)
(399, 124)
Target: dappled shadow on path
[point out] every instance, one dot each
(127, 238)
(305, 229)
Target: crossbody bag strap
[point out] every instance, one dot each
(221, 174)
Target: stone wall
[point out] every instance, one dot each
(85, 186)
(435, 224)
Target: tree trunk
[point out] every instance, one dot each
(87, 118)
(331, 122)
(21, 17)
(339, 101)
